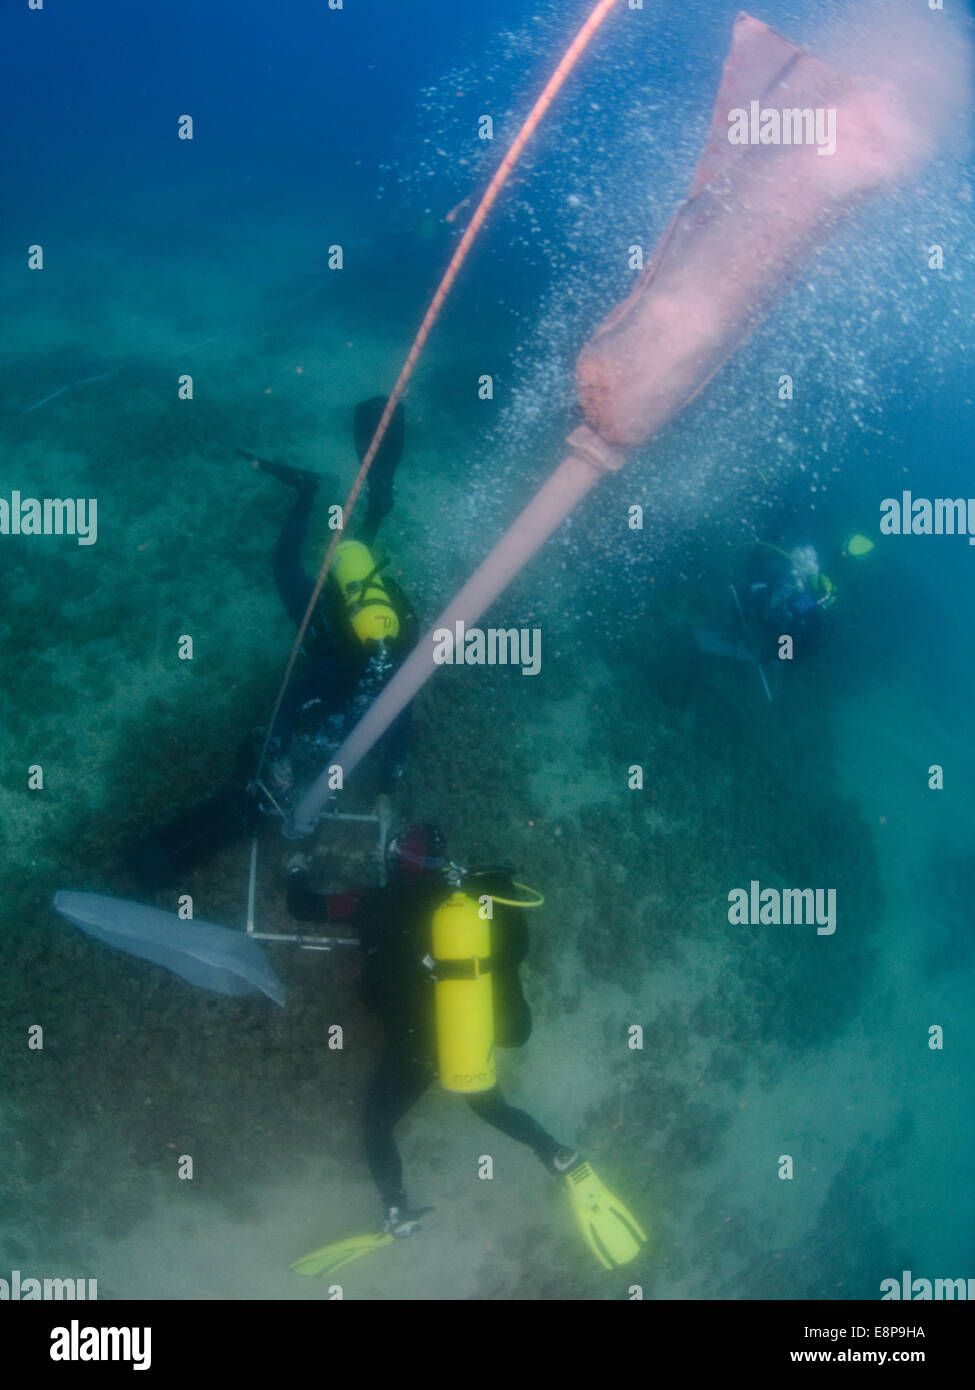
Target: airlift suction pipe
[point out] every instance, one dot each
(754, 215)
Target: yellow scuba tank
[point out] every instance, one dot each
(463, 995)
(367, 604)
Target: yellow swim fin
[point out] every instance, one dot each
(342, 1252)
(612, 1234)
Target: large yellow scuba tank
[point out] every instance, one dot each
(464, 998)
(367, 605)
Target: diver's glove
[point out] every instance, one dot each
(280, 776)
(400, 1222)
(274, 787)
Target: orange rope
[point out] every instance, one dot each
(569, 60)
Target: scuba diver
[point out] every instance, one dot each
(777, 593)
(363, 629)
(787, 594)
(441, 947)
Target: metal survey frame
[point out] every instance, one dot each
(314, 943)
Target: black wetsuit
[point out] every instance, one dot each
(341, 680)
(342, 676)
(394, 933)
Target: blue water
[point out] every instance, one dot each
(209, 257)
